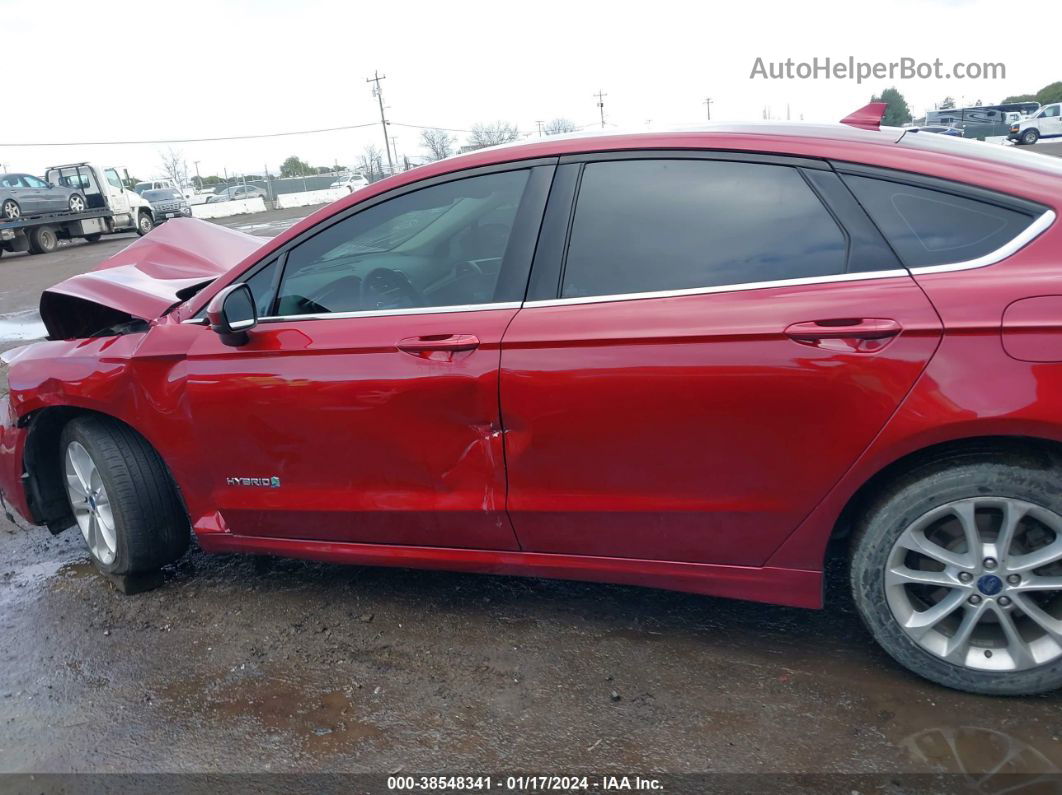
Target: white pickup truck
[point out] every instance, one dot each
(110, 207)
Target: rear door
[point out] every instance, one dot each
(709, 342)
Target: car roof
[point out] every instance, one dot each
(838, 132)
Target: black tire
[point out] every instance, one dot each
(10, 210)
(1032, 479)
(1029, 137)
(144, 223)
(43, 240)
(93, 238)
(151, 525)
(74, 201)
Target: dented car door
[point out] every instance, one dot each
(364, 405)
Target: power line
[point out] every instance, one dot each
(428, 127)
(192, 140)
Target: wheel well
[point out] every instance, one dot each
(43, 460)
(1029, 451)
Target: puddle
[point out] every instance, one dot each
(22, 326)
(992, 761)
(321, 722)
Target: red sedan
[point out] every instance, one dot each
(690, 360)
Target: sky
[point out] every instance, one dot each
(94, 71)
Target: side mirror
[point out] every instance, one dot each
(232, 313)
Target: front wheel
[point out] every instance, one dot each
(957, 572)
(122, 497)
(1030, 137)
(144, 223)
(93, 238)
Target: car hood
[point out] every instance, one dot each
(145, 279)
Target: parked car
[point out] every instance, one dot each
(236, 193)
(940, 130)
(161, 184)
(351, 182)
(701, 360)
(1045, 123)
(24, 195)
(167, 203)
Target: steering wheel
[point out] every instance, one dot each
(467, 268)
(393, 288)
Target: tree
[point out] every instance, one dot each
(1019, 98)
(439, 143)
(946, 104)
(174, 166)
(1050, 94)
(897, 113)
(130, 182)
(295, 167)
(501, 132)
(371, 163)
(559, 125)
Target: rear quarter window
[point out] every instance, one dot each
(929, 227)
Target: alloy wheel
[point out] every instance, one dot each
(77, 204)
(12, 211)
(978, 583)
(90, 503)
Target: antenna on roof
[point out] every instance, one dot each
(867, 117)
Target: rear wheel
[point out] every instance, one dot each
(43, 240)
(144, 223)
(77, 203)
(1030, 137)
(10, 210)
(957, 572)
(122, 497)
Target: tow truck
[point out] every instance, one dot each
(111, 207)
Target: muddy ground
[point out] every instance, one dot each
(252, 664)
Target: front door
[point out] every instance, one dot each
(1050, 122)
(719, 350)
(364, 407)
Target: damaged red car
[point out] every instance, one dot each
(701, 360)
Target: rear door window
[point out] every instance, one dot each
(928, 227)
(661, 224)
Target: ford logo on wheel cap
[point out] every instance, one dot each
(990, 585)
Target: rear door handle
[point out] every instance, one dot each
(872, 328)
(438, 343)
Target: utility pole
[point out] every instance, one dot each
(394, 145)
(539, 123)
(708, 105)
(198, 179)
(376, 78)
(601, 105)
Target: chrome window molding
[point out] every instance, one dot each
(1027, 235)
(1022, 239)
(417, 310)
(724, 288)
